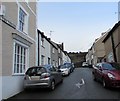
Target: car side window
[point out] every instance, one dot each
(100, 66)
(97, 65)
(40, 71)
(52, 69)
(31, 71)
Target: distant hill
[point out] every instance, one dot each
(77, 58)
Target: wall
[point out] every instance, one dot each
(8, 77)
(108, 49)
(0, 60)
(118, 51)
(77, 58)
(47, 51)
(15, 87)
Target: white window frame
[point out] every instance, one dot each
(26, 55)
(25, 30)
(42, 59)
(48, 60)
(59, 61)
(53, 50)
(58, 50)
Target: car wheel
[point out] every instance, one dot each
(52, 87)
(61, 81)
(94, 78)
(104, 83)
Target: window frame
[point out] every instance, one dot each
(26, 56)
(42, 41)
(58, 50)
(42, 59)
(53, 50)
(26, 20)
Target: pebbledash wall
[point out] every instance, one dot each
(18, 51)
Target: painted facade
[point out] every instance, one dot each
(112, 44)
(54, 54)
(18, 51)
(49, 52)
(44, 44)
(96, 53)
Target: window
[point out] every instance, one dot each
(35, 71)
(52, 68)
(48, 60)
(53, 62)
(53, 50)
(42, 41)
(20, 58)
(23, 20)
(59, 61)
(58, 50)
(108, 66)
(42, 59)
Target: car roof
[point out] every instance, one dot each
(35, 67)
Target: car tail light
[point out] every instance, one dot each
(45, 75)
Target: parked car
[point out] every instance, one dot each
(65, 71)
(70, 66)
(85, 64)
(107, 73)
(42, 76)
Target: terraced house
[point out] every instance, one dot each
(18, 45)
(112, 44)
(49, 52)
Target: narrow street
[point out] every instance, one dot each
(78, 85)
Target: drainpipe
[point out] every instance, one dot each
(38, 49)
(113, 48)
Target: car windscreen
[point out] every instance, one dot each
(107, 66)
(35, 71)
(62, 67)
(116, 66)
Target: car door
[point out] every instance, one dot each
(99, 72)
(56, 74)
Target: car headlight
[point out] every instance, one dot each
(66, 69)
(111, 76)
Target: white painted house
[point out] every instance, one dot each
(66, 58)
(44, 55)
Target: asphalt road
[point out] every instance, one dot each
(78, 85)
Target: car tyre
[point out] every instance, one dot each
(52, 87)
(61, 81)
(94, 78)
(104, 83)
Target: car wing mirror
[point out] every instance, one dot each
(100, 68)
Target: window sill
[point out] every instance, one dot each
(18, 74)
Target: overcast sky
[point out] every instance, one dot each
(76, 24)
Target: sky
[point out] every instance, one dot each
(76, 24)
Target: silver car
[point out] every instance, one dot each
(64, 69)
(42, 76)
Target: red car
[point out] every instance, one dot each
(107, 73)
